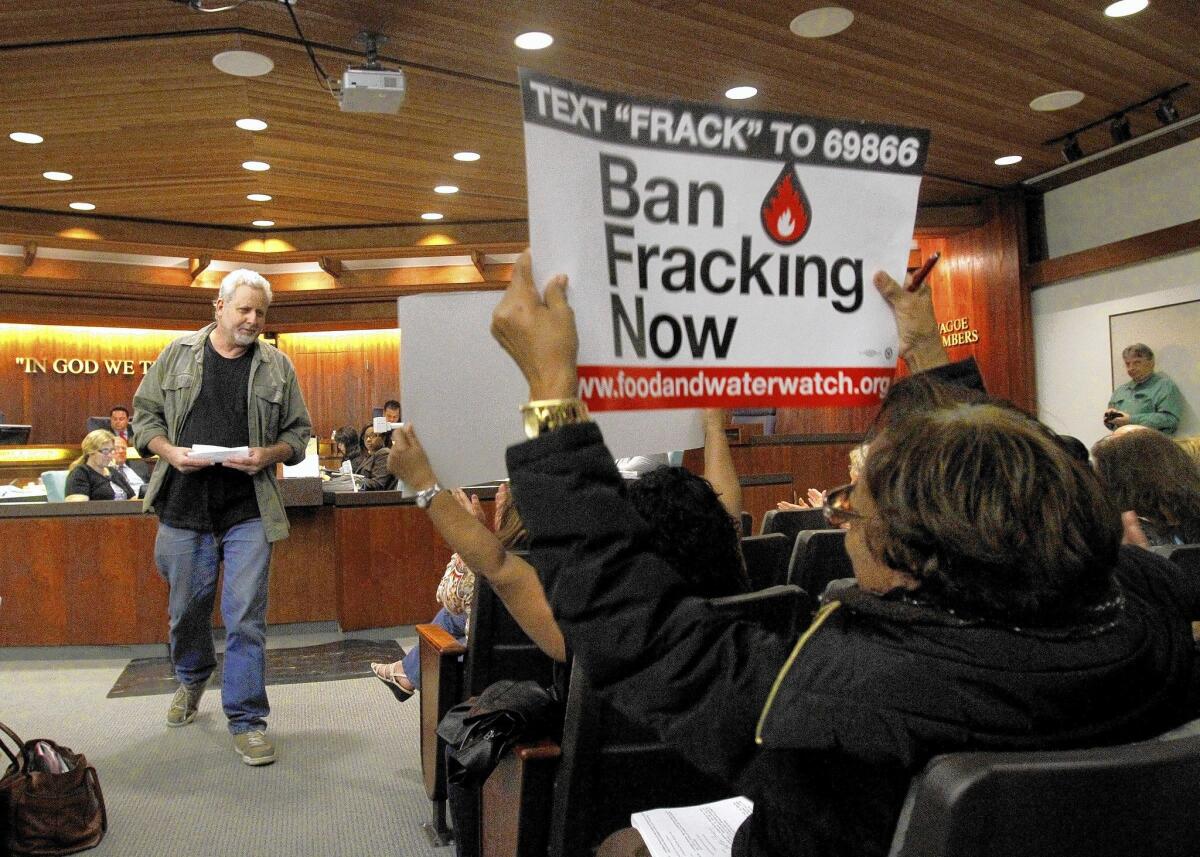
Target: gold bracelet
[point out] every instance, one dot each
(545, 415)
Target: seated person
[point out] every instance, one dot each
(391, 413)
(695, 522)
(373, 466)
(1151, 477)
(92, 476)
(118, 418)
(349, 446)
(456, 590)
(816, 497)
(135, 471)
(1006, 617)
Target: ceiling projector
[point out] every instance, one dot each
(371, 90)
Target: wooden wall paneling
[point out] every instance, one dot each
(343, 376)
(35, 609)
(986, 262)
(1128, 251)
(303, 570)
(57, 405)
(391, 562)
(107, 557)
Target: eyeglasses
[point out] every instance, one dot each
(837, 508)
(107, 450)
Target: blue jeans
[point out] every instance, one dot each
(456, 626)
(189, 560)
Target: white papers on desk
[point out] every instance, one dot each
(706, 830)
(217, 453)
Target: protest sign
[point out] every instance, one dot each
(462, 393)
(719, 256)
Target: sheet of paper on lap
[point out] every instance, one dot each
(706, 830)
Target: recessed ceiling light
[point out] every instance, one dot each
(446, 188)
(256, 166)
(243, 63)
(1008, 160)
(819, 23)
(262, 223)
(56, 176)
(1123, 8)
(738, 93)
(258, 197)
(431, 215)
(533, 41)
(1057, 100)
(466, 156)
(251, 124)
(24, 137)
(83, 206)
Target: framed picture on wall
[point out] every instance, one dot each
(1171, 333)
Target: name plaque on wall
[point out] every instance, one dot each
(958, 331)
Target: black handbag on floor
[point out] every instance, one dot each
(50, 800)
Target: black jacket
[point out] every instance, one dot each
(375, 468)
(825, 733)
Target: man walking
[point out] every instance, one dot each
(221, 386)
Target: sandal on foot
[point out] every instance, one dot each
(387, 674)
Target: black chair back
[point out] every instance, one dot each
(747, 524)
(94, 423)
(792, 521)
(1186, 557)
(497, 648)
(612, 767)
(766, 559)
(1134, 800)
(819, 557)
(781, 608)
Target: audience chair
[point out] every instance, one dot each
(1134, 800)
(94, 423)
(747, 524)
(818, 557)
(55, 483)
(543, 799)
(1185, 556)
(791, 522)
(497, 649)
(766, 559)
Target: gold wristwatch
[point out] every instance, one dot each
(545, 415)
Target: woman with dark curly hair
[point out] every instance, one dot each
(1151, 475)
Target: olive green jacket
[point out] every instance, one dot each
(275, 408)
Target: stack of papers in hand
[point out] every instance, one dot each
(693, 831)
(218, 453)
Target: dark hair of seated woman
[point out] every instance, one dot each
(691, 530)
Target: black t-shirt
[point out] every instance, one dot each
(217, 497)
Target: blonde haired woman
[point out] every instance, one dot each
(91, 477)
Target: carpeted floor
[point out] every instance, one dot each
(334, 661)
(347, 782)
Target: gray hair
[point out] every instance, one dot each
(1138, 349)
(243, 277)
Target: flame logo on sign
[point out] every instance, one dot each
(786, 214)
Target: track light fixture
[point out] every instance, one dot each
(1166, 111)
(1120, 130)
(1118, 123)
(1071, 150)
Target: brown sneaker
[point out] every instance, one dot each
(184, 704)
(254, 747)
